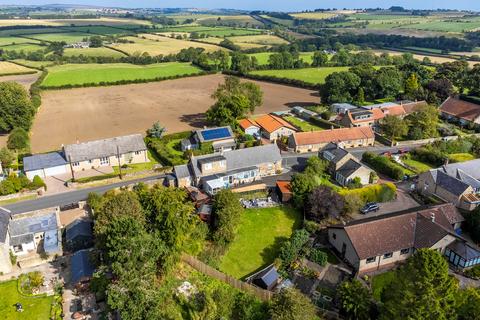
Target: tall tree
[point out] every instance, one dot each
(425, 122)
(412, 86)
(227, 211)
(320, 59)
(324, 202)
(16, 109)
(355, 300)
(291, 304)
(341, 87)
(394, 127)
(423, 289)
(468, 304)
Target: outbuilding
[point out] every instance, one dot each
(45, 165)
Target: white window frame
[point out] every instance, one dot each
(104, 161)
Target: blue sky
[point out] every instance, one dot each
(280, 5)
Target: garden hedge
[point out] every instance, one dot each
(384, 165)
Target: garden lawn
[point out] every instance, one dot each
(380, 282)
(418, 166)
(309, 75)
(260, 236)
(303, 125)
(460, 157)
(35, 308)
(80, 74)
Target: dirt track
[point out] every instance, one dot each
(92, 113)
(25, 80)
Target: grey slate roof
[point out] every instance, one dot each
(81, 265)
(4, 220)
(349, 168)
(471, 167)
(42, 161)
(78, 228)
(337, 152)
(244, 158)
(450, 183)
(104, 148)
(182, 171)
(23, 227)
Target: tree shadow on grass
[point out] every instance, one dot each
(269, 254)
(196, 120)
(300, 104)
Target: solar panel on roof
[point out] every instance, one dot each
(214, 134)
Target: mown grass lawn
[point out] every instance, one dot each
(303, 125)
(79, 74)
(418, 166)
(35, 308)
(380, 282)
(259, 238)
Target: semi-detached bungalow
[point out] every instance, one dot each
(314, 141)
(465, 112)
(381, 242)
(116, 151)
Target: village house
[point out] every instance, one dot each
(458, 183)
(220, 138)
(343, 166)
(273, 127)
(462, 111)
(29, 234)
(218, 171)
(249, 126)
(116, 151)
(341, 108)
(314, 141)
(381, 242)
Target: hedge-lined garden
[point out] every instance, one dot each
(384, 165)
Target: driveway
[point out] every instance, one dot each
(403, 202)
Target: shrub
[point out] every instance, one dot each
(37, 183)
(319, 257)
(383, 165)
(13, 258)
(432, 156)
(473, 273)
(17, 139)
(373, 193)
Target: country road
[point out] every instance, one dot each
(71, 196)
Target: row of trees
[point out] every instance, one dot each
(421, 289)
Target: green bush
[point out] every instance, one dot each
(384, 165)
(37, 183)
(14, 184)
(473, 273)
(373, 193)
(319, 257)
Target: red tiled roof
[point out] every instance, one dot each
(284, 186)
(394, 111)
(414, 106)
(461, 109)
(333, 135)
(247, 123)
(271, 123)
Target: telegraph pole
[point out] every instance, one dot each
(71, 167)
(119, 165)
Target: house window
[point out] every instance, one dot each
(89, 161)
(104, 161)
(387, 255)
(76, 164)
(207, 166)
(18, 248)
(371, 259)
(405, 251)
(137, 152)
(334, 236)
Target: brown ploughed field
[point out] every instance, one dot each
(83, 114)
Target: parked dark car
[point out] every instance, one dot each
(370, 207)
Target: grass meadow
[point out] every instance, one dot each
(79, 74)
(309, 75)
(7, 68)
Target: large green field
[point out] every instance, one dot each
(27, 47)
(68, 37)
(309, 75)
(213, 31)
(79, 74)
(262, 57)
(35, 308)
(259, 238)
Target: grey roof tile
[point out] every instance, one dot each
(42, 161)
(104, 148)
